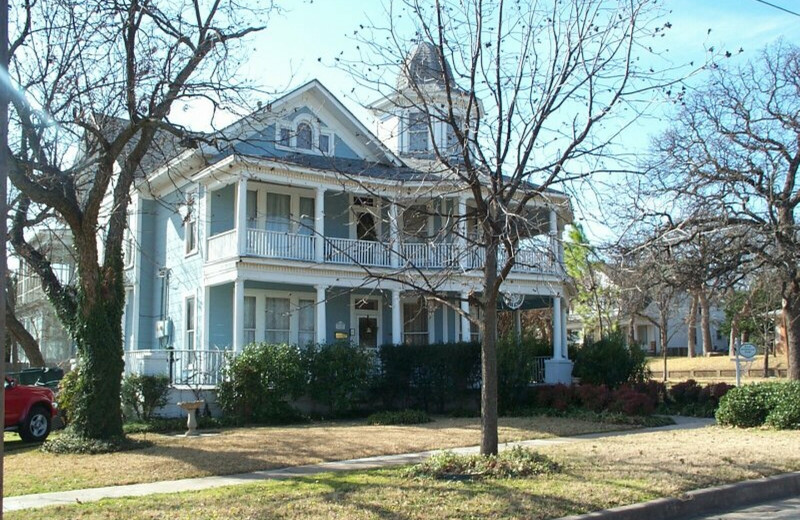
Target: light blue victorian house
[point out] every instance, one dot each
(301, 225)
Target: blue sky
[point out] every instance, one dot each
(301, 43)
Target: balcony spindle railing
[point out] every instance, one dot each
(345, 251)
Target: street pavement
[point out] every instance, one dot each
(776, 510)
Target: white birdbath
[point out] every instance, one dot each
(191, 423)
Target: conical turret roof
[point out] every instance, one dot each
(424, 67)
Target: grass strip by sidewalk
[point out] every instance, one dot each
(596, 474)
(239, 450)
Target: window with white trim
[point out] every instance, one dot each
(415, 323)
(285, 138)
(306, 317)
(190, 225)
(190, 322)
(417, 132)
(305, 136)
(127, 246)
(278, 320)
(249, 319)
(324, 143)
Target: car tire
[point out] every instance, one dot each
(36, 426)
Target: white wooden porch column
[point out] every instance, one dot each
(319, 226)
(564, 351)
(465, 332)
(461, 214)
(554, 236)
(238, 315)
(394, 236)
(557, 328)
(397, 324)
(241, 216)
(205, 340)
(321, 329)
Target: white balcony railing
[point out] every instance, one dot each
(195, 368)
(345, 251)
(358, 252)
(277, 244)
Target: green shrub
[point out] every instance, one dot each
(785, 413)
(430, 377)
(514, 463)
(750, 405)
(389, 418)
(258, 382)
(143, 394)
(610, 362)
(67, 394)
(515, 365)
(338, 375)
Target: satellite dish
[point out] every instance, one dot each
(513, 300)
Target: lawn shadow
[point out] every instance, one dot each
(497, 495)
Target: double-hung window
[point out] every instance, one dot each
(306, 314)
(190, 225)
(249, 319)
(415, 323)
(417, 132)
(189, 326)
(278, 320)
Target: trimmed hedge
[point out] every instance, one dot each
(772, 404)
(610, 362)
(428, 377)
(338, 375)
(689, 398)
(142, 395)
(399, 417)
(258, 382)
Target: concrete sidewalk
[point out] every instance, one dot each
(195, 484)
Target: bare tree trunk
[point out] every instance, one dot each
(691, 332)
(705, 323)
(631, 331)
(24, 339)
(489, 439)
(791, 315)
(662, 332)
(19, 333)
(734, 335)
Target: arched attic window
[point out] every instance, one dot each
(305, 136)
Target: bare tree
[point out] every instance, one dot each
(95, 84)
(731, 160)
(521, 90)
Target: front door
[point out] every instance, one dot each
(367, 332)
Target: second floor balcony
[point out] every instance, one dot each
(324, 226)
(259, 243)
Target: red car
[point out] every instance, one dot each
(29, 410)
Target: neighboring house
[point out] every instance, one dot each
(268, 240)
(34, 310)
(646, 331)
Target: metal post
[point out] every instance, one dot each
(4, 160)
(738, 365)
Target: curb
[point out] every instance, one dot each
(704, 501)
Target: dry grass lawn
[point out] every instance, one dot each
(656, 364)
(597, 474)
(27, 470)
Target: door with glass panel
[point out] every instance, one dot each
(278, 223)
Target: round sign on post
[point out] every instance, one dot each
(747, 350)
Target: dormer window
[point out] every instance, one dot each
(417, 132)
(305, 137)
